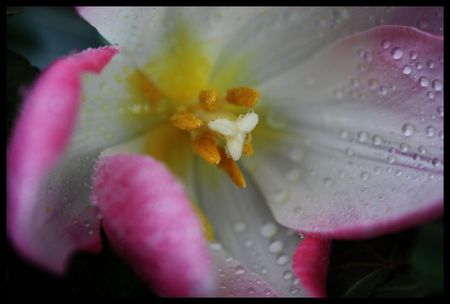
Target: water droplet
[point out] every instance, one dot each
(422, 24)
(251, 290)
(298, 210)
(431, 95)
(362, 136)
(408, 129)
(215, 246)
(268, 230)
(287, 275)
(440, 110)
(282, 259)
(430, 131)
(406, 70)
(328, 181)
(349, 151)
(404, 147)
(276, 246)
(373, 84)
(377, 140)
(422, 150)
(390, 159)
(365, 176)
(398, 172)
(239, 270)
(437, 85)
(343, 134)
(267, 292)
(239, 227)
(441, 135)
(281, 197)
(295, 154)
(293, 175)
(385, 44)
(90, 231)
(383, 90)
(248, 243)
(368, 57)
(338, 94)
(263, 271)
(293, 290)
(419, 65)
(424, 82)
(397, 53)
(377, 170)
(430, 64)
(436, 162)
(413, 55)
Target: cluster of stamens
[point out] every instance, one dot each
(217, 135)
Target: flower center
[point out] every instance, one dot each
(215, 123)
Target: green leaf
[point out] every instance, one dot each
(20, 74)
(407, 264)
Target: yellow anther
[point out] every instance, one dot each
(248, 149)
(232, 169)
(206, 147)
(244, 96)
(186, 121)
(209, 99)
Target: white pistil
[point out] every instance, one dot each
(235, 131)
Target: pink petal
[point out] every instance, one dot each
(353, 169)
(150, 221)
(310, 265)
(39, 228)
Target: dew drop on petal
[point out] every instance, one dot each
(422, 150)
(282, 259)
(436, 162)
(293, 175)
(276, 246)
(268, 230)
(408, 129)
(365, 176)
(377, 140)
(373, 84)
(406, 70)
(362, 136)
(430, 131)
(239, 270)
(424, 82)
(431, 95)
(251, 290)
(430, 64)
(413, 55)
(404, 147)
(390, 159)
(397, 53)
(385, 44)
(437, 85)
(440, 110)
(239, 227)
(287, 275)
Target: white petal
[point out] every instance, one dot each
(366, 152)
(223, 126)
(281, 38)
(245, 227)
(247, 122)
(141, 30)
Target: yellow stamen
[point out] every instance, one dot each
(232, 169)
(186, 121)
(244, 96)
(206, 147)
(248, 149)
(209, 99)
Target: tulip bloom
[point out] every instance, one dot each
(241, 127)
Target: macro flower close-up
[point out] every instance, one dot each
(220, 151)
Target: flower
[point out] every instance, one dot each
(343, 107)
